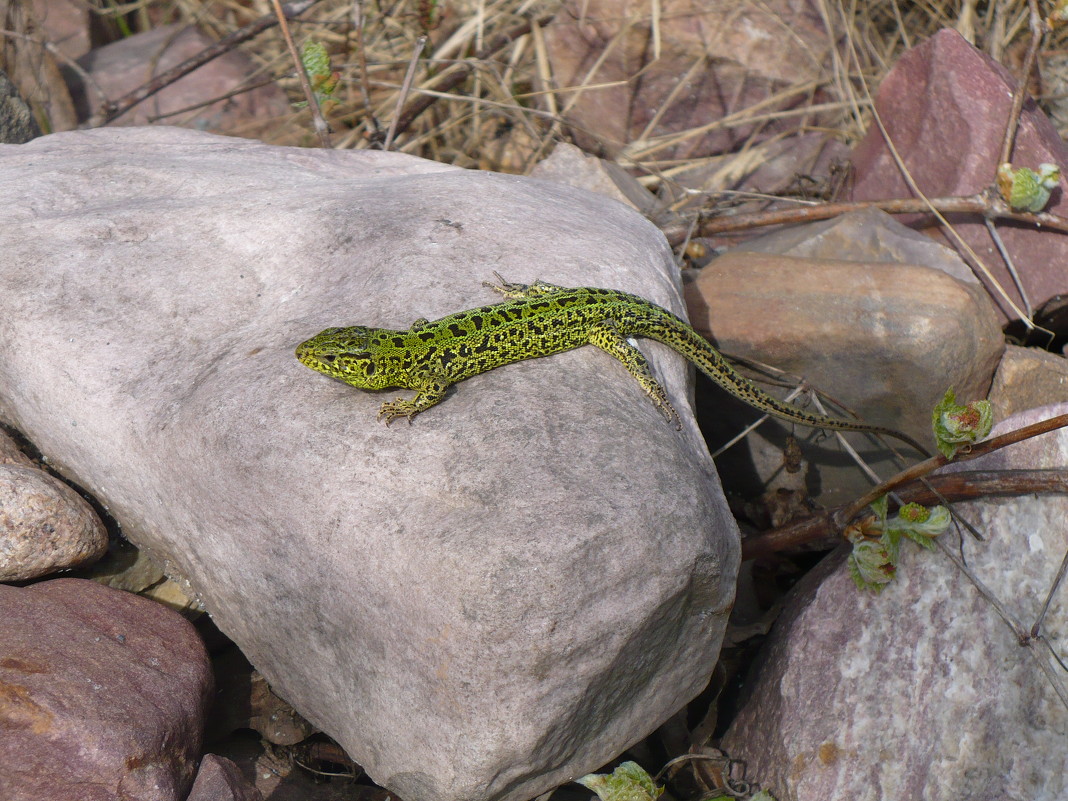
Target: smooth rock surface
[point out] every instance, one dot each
(865, 235)
(915, 692)
(102, 695)
(944, 105)
(219, 779)
(45, 525)
(1028, 378)
(885, 339)
(484, 604)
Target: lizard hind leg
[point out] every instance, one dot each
(513, 291)
(605, 335)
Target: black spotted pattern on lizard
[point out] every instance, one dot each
(535, 320)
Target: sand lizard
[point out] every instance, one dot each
(535, 320)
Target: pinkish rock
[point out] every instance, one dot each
(45, 525)
(123, 66)
(65, 23)
(729, 57)
(11, 454)
(923, 691)
(102, 695)
(219, 779)
(1028, 378)
(945, 106)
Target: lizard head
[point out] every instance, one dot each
(345, 354)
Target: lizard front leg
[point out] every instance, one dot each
(428, 392)
(605, 335)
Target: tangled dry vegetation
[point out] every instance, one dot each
(492, 100)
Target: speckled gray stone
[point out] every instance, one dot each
(45, 526)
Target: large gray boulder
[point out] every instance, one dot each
(484, 604)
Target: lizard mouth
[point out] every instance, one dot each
(306, 355)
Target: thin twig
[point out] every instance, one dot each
(1038, 28)
(204, 103)
(951, 487)
(448, 79)
(372, 127)
(983, 204)
(924, 468)
(406, 87)
(800, 532)
(58, 54)
(1010, 265)
(1036, 629)
(322, 130)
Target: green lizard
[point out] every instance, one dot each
(535, 320)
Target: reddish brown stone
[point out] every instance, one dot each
(945, 107)
(102, 695)
(728, 56)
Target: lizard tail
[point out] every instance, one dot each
(665, 327)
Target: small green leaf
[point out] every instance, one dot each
(323, 81)
(891, 541)
(870, 565)
(879, 506)
(315, 58)
(628, 782)
(1026, 190)
(956, 425)
(920, 524)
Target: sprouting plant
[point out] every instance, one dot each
(956, 425)
(877, 540)
(628, 782)
(1026, 190)
(323, 80)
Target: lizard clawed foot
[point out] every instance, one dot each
(669, 412)
(398, 408)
